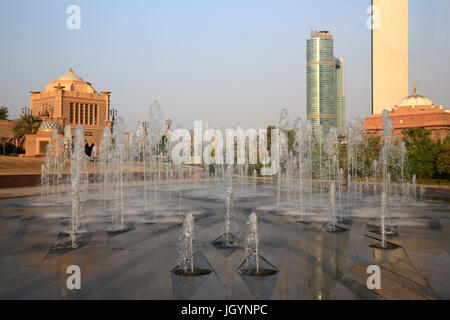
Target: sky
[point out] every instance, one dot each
(226, 62)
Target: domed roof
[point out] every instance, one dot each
(415, 100)
(70, 75)
(49, 126)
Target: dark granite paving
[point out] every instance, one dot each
(310, 263)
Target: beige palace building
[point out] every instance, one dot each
(389, 53)
(72, 101)
(414, 111)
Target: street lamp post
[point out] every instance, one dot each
(113, 115)
(26, 111)
(145, 125)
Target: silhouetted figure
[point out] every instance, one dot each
(88, 149)
(212, 170)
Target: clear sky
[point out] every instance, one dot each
(221, 61)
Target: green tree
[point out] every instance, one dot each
(269, 137)
(443, 160)
(4, 113)
(422, 152)
(26, 124)
(369, 151)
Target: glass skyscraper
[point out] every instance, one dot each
(321, 73)
(340, 96)
(324, 90)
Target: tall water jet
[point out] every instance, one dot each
(387, 123)
(319, 136)
(309, 164)
(331, 225)
(299, 144)
(360, 190)
(57, 164)
(186, 245)
(142, 153)
(67, 149)
(341, 178)
(284, 150)
(374, 175)
(229, 175)
(50, 170)
(187, 267)
(366, 184)
(384, 204)
(406, 191)
(44, 180)
(67, 143)
(78, 166)
(332, 150)
(284, 127)
(230, 225)
(349, 135)
(105, 163)
(155, 125)
(278, 188)
(252, 242)
(119, 154)
(254, 264)
(402, 159)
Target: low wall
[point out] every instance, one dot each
(33, 180)
(20, 180)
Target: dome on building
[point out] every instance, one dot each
(49, 126)
(70, 75)
(415, 100)
(70, 82)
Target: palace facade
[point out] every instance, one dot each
(72, 101)
(414, 111)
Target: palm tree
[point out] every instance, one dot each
(26, 124)
(4, 114)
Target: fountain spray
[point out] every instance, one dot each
(252, 241)
(382, 219)
(186, 244)
(119, 155)
(332, 208)
(78, 165)
(229, 215)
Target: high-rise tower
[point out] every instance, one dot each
(389, 53)
(340, 96)
(321, 73)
